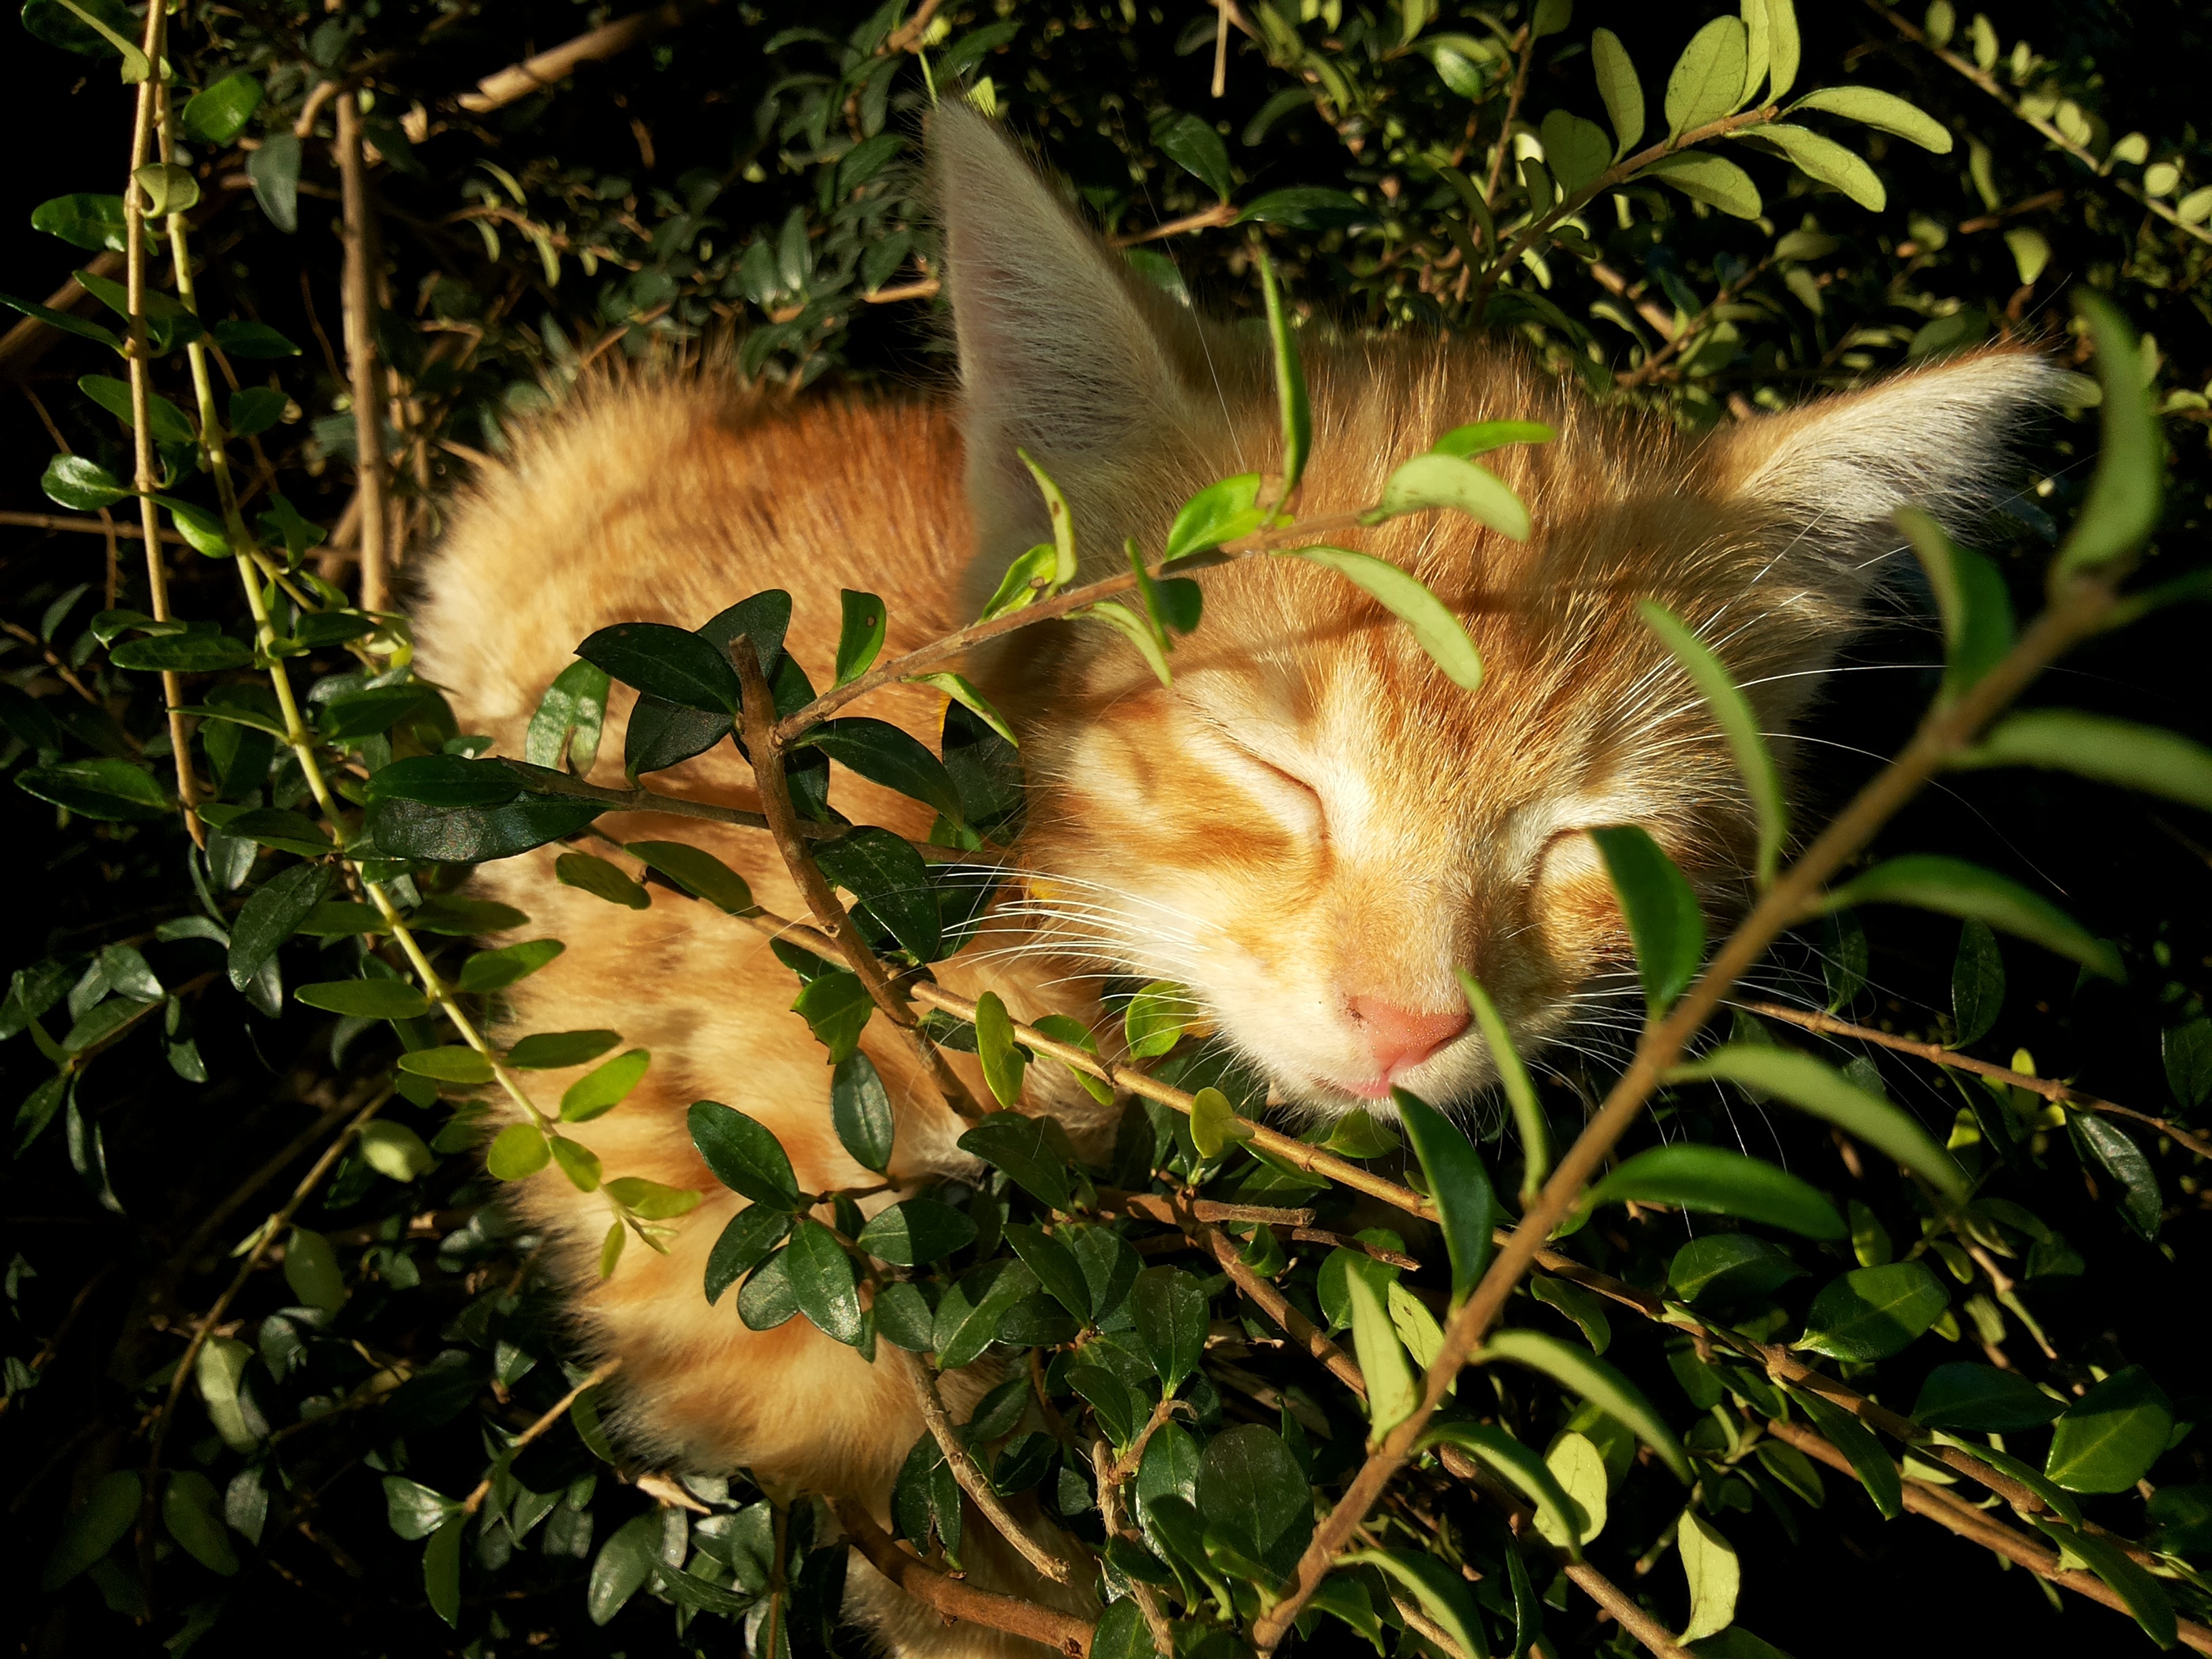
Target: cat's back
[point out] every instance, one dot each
(660, 498)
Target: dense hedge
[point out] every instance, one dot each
(745, 181)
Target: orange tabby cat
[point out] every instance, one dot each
(1311, 830)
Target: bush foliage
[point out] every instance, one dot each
(279, 1361)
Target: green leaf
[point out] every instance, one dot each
(1871, 1313)
(1978, 983)
(2186, 1050)
(409, 829)
(861, 1112)
(589, 873)
(1970, 597)
(1585, 1308)
(1577, 151)
(882, 753)
(1754, 761)
(1619, 86)
(1223, 511)
(1982, 1399)
(1520, 1464)
(518, 1152)
(444, 781)
(765, 1301)
(822, 1281)
(183, 654)
(2121, 508)
(1290, 371)
(1875, 1469)
(494, 970)
(218, 114)
(1434, 628)
(1819, 157)
(240, 338)
(1215, 1124)
(1025, 1148)
(2147, 1601)
(1157, 1017)
(191, 1511)
(1304, 207)
(887, 875)
(1694, 1177)
(744, 1245)
(414, 1510)
(1392, 1391)
(970, 698)
(272, 915)
(1726, 1267)
(1028, 578)
(1002, 1061)
(605, 1087)
(1597, 1382)
(94, 223)
(367, 999)
(1170, 1313)
(2146, 757)
(673, 664)
(1883, 110)
(1956, 888)
(1063, 522)
(310, 1269)
(1465, 1200)
(81, 485)
(916, 1232)
(1481, 437)
(2108, 1439)
(1710, 1564)
(1121, 1633)
(968, 1318)
(564, 728)
(1707, 80)
(1056, 1266)
(624, 1562)
(861, 635)
(1663, 917)
(63, 320)
(395, 1151)
(1814, 1087)
(1713, 179)
(1438, 479)
(96, 1527)
(837, 1007)
(1140, 631)
(697, 872)
(455, 1063)
(1782, 49)
(1195, 147)
(2116, 1149)
(111, 790)
(1256, 1497)
(743, 1155)
(1445, 1596)
(552, 1051)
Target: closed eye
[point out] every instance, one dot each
(1289, 797)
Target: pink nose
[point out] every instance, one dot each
(1402, 1038)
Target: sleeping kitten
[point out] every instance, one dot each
(1311, 830)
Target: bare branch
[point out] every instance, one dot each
(953, 1601)
(972, 1478)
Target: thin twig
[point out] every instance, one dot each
(1109, 1513)
(90, 527)
(953, 1601)
(554, 1413)
(519, 80)
(1221, 213)
(146, 477)
(765, 751)
(972, 1479)
(1650, 367)
(2049, 1088)
(1527, 44)
(358, 226)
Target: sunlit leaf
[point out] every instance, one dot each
(1662, 914)
(1871, 1313)
(1754, 761)
(1596, 1381)
(1434, 628)
(1694, 1177)
(1956, 888)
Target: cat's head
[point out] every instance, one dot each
(1315, 827)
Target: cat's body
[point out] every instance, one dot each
(1312, 830)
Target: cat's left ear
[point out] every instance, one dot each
(1835, 472)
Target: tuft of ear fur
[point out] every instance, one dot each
(1836, 471)
(1065, 351)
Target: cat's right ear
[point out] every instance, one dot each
(1065, 351)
